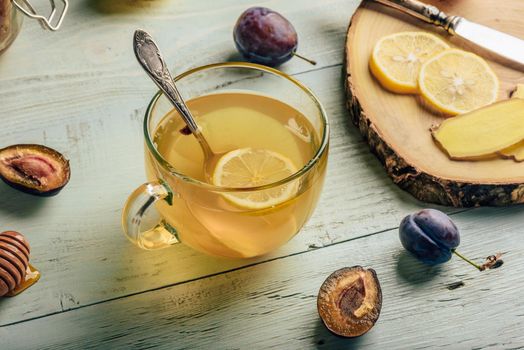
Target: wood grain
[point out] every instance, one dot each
(80, 91)
(273, 305)
(76, 237)
(397, 126)
(92, 111)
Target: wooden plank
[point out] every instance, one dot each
(90, 106)
(96, 37)
(80, 90)
(273, 304)
(76, 237)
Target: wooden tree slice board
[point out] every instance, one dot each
(397, 126)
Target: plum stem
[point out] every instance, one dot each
(467, 260)
(304, 58)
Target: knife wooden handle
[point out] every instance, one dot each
(427, 13)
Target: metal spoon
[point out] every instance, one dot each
(150, 58)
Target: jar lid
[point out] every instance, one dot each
(53, 21)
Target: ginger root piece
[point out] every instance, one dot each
(483, 132)
(516, 152)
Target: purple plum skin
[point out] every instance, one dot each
(264, 36)
(429, 235)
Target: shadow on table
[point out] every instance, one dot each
(324, 339)
(410, 270)
(174, 308)
(234, 56)
(123, 6)
(3, 301)
(17, 203)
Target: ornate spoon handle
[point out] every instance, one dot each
(150, 58)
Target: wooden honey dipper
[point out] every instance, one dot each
(14, 264)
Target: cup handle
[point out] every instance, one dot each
(139, 210)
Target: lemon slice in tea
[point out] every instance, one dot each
(250, 167)
(457, 82)
(396, 59)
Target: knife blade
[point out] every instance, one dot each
(502, 44)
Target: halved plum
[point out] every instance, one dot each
(350, 300)
(34, 169)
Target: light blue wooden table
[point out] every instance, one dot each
(80, 91)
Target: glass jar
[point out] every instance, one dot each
(12, 14)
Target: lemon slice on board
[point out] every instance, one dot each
(250, 167)
(397, 58)
(457, 82)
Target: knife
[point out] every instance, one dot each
(500, 43)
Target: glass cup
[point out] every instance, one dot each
(173, 208)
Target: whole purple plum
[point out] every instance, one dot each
(429, 235)
(265, 36)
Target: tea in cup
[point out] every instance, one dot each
(272, 135)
